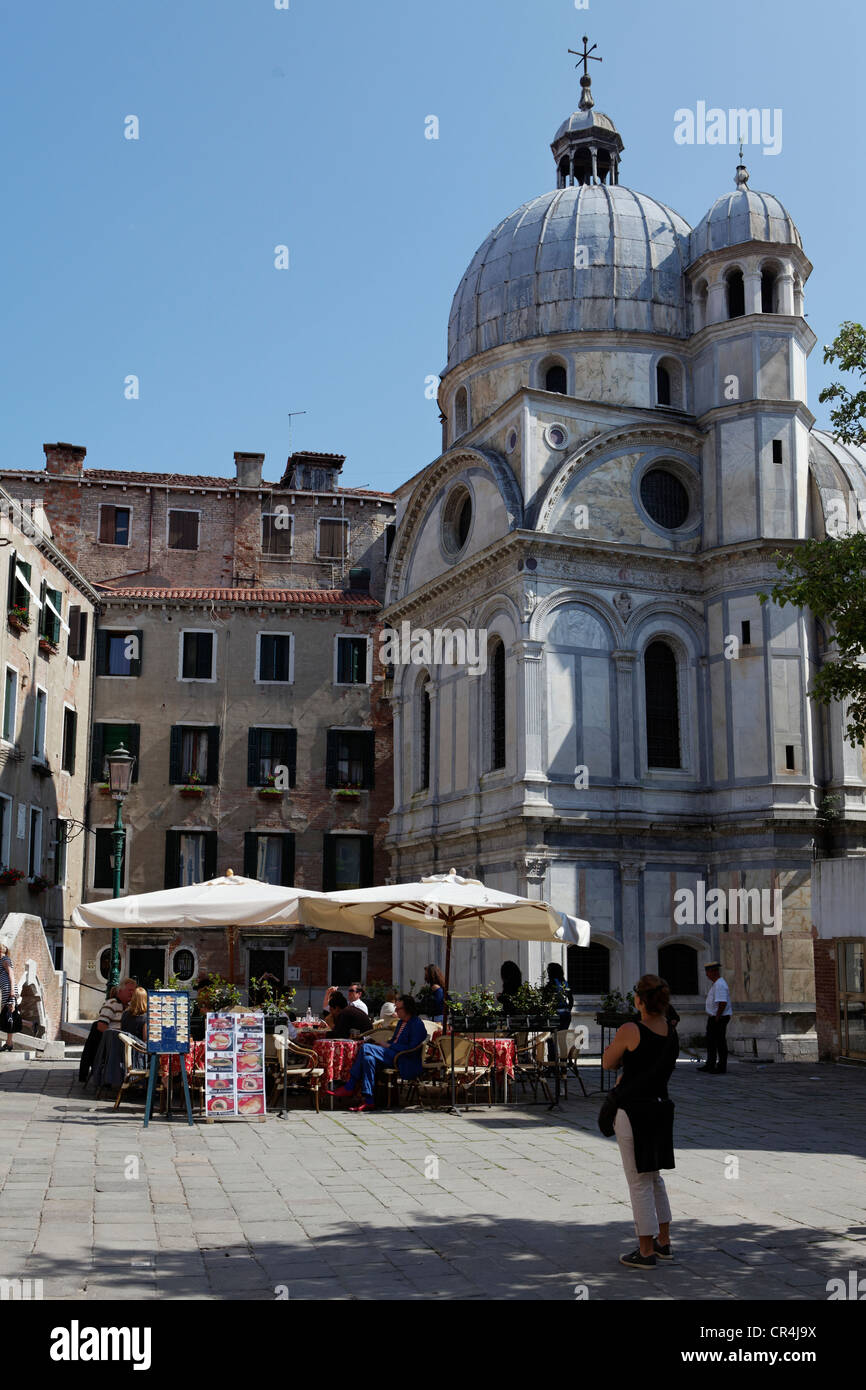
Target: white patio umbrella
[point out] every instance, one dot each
(230, 901)
(450, 906)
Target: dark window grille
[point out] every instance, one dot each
(663, 385)
(183, 964)
(556, 379)
(665, 498)
(768, 291)
(588, 968)
(497, 706)
(678, 965)
(662, 706)
(736, 295)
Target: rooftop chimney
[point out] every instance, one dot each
(249, 469)
(66, 459)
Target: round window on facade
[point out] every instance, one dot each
(457, 520)
(556, 436)
(105, 963)
(511, 442)
(665, 498)
(183, 964)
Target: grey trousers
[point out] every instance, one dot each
(649, 1197)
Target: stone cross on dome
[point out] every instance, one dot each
(586, 100)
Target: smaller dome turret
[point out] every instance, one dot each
(743, 216)
(587, 145)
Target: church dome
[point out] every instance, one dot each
(588, 257)
(741, 216)
(584, 120)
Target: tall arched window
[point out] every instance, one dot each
(768, 290)
(461, 412)
(663, 385)
(556, 379)
(497, 705)
(702, 295)
(678, 964)
(662, 706)
(422, 780)
(736, 288)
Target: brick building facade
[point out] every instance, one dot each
(236, 643)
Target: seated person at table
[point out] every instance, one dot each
(347, 1017)
(134, 1018)
(435, 983)
(408, 1034)
(389, 1008)
(356, 997)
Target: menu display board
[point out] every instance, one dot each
(234, 1065)
(167, 1021)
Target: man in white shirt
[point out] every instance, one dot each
(718, 1005)
(355, 994)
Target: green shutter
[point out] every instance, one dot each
(287, 876)
(97, 753)
(172, 859)
(251, 851)
(253, 742)
(210, 854)
(329, 863)
(213, 755)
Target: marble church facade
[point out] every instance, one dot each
(626, 446)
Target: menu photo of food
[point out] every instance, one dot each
(221, 1105)
(234, 1065)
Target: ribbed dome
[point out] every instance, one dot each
(525, 281)
(740, 216)
(584, 120)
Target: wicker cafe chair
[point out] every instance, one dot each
(530, 1062)
(307, 1073)
(135, 1067)
(473, 1060)
(399, 1088)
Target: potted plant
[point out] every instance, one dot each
(46, 645)
(216, 994)
(274, 1000)
(475, 1010)
(18, 618)
(9, 877)
(616, 1008)
(351, 792)
(105, 788)
(37, 884)
(531, 1011)
(270, 788)
(192, 786)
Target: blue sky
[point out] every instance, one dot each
(305, 127)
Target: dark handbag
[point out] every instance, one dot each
(607, 1113)
(10, 1020)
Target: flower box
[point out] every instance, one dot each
(192, 791)
(18, 620)
(105, 788)
(37, 884)
(50, 648)
(348, 794)
(269, 793)
(9, 877)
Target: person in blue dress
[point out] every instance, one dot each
(408, 1034)
(435, 982)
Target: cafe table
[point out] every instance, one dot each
(502, 1051)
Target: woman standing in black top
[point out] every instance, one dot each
(644, 1119)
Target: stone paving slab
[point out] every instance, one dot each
(769, 1197)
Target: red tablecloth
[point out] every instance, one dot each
(504, 1053)
(194, 1061)
(336, 1055)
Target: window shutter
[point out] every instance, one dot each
(329, 862)
(287, 876)
(74, 637)
(210, 854)
(10, 602)
(251, 841)
(172, 859)
(292, 755)
(96, 752)
(213, 755)
(368, 745)
(253, 742)
(70, 736)
(175, 752)
(102, 653)
(106, 523)
(134, 737)
(367, 861)
(331, 758)
(44, 615)
(135, 666)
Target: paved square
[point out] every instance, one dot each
(769, 1196)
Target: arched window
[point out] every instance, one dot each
(461, 412)
(702, 295)
(736, 288)
(663, 385)
(768, 290)
(678, 964)
(588, 968)
(798, 296)
(424, 734)
(497, 705)
(556, 379)
(662, 706)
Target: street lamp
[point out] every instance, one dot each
(120, 765)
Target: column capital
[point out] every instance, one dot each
(625, 659)
(527, 649)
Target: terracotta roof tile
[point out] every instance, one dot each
(333, 598)
(188, 480)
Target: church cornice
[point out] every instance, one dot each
(734, 410)
(745, 250)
